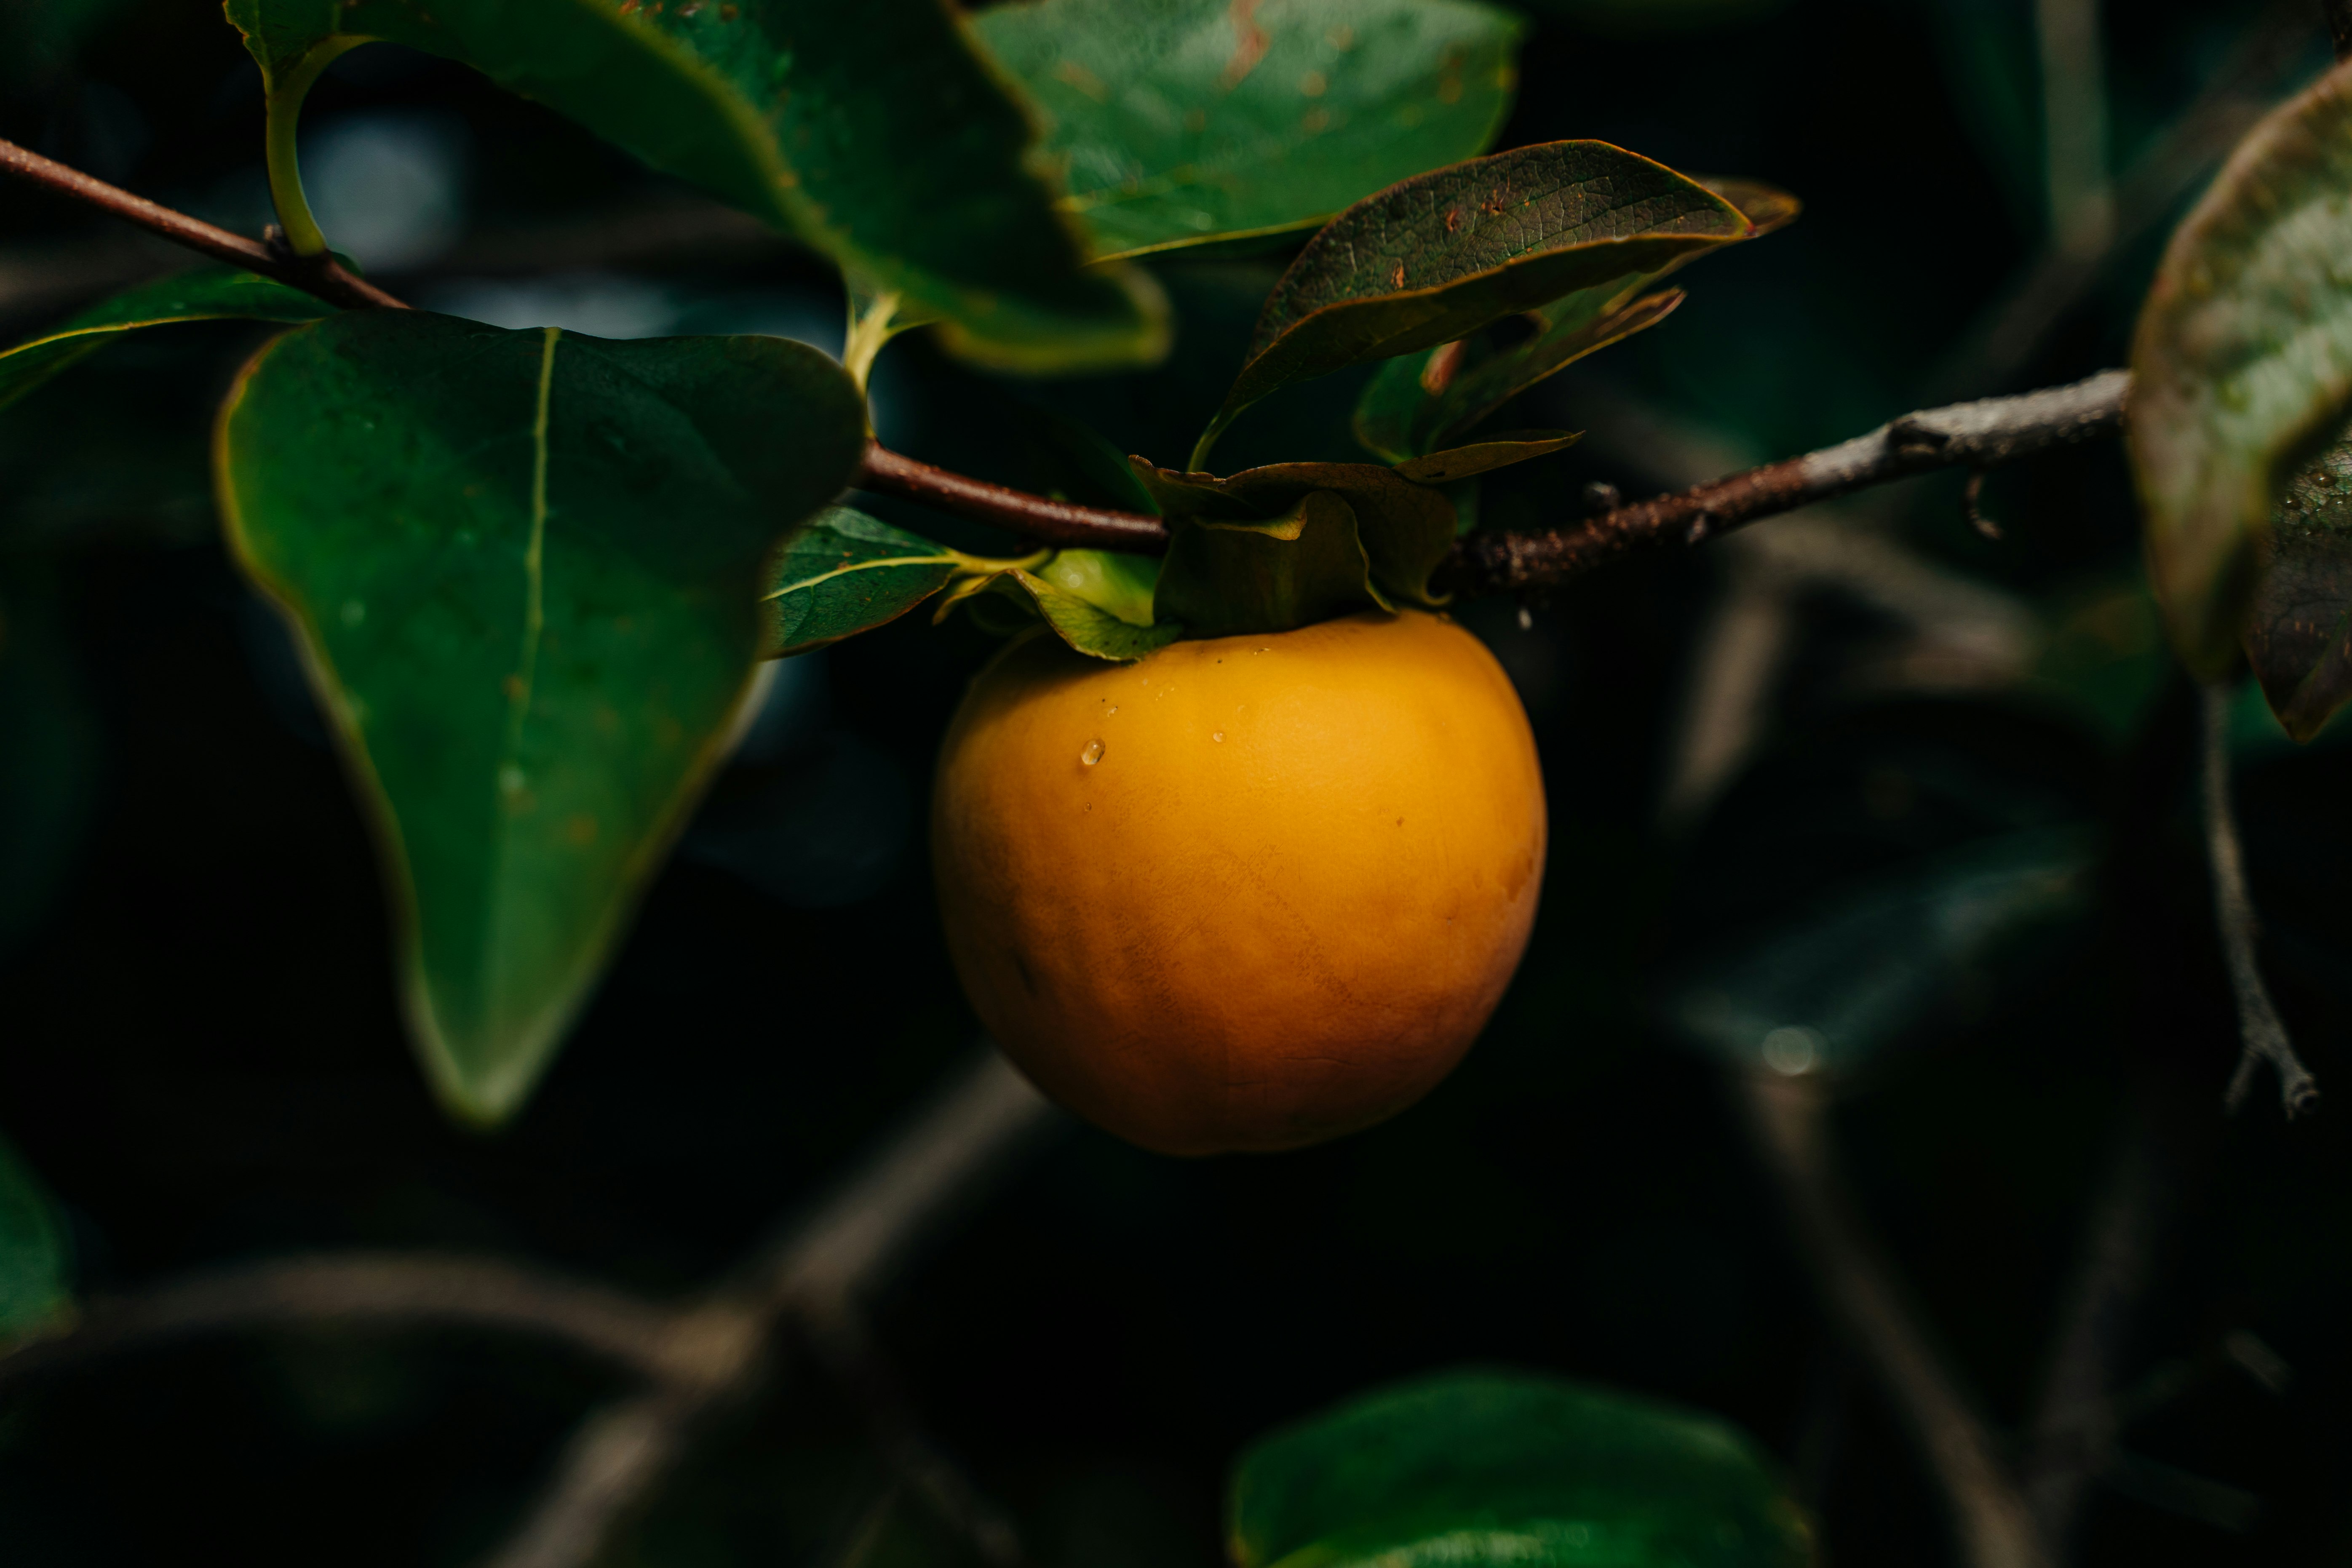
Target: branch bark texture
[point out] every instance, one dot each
(322, 276)
(1981, 434)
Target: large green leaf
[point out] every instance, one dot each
(1440, 255)
(208, 295)
(1404, 528)
(874, 132)
(2299, 637)
(2241, 366)
(34, 1259)
(1178, 122)
(526, 569)
(1494, 1469)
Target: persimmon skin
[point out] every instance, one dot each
(1248, 893)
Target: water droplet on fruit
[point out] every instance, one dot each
(1217, 735)
(1113, 711)
(1092, 754)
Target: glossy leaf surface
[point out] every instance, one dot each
(1489, 1468)
(845, 573)
(525, 569)
(209, 295)
(874, 132)
(1405, 529)
(1442, 254)
(1178, 122)
(2242, 363)
(34, 1292)
(2299, 637)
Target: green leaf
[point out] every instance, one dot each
(2299, 635)
(1497, 451)
(2242, 365)
(1421, 402)
(1086, 626)
(1404, 528)
(1438, 257)
(1224, 579)
(1498, 1470)
(526, 571)
(874, 132)
(34, 1265)
(1180, 122)
(1114, 581)
(210, 295)
(845, 573)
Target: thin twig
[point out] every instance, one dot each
(324, 277)
(844, 1249)
(2075, 1424)
(2233, 913)
(1988, 1513)
(404, 1289)
(1040, 517)
(1981, 434)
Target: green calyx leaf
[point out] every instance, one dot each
(1440, 255)
(2298, 635)
(1497, 1469)
(2242, 364)
(525, 570)
(1084, 624)
(210, 294)
(874, 132)
(1226, 579)
(1184, 122)
(1405, 529)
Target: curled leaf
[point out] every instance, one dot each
(1404, 528)
(1223, 579)
(2241, 364)
(1437, 256)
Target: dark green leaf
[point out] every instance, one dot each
(1497, 451)
(1074, 462)
(211, 295)
(1442, 254)
(1404, 528)
(1494, 1469)
(2242, 363)
(1766, 207)
(33, 1252)
(846, 573)
(526, 569)
(1177, 122)
(2299, 637)
(874, 132)
(1224, 579)
(1832, 984)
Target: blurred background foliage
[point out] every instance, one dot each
(1865, 792)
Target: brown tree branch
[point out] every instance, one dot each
(324, 277)
(2264, 1036)
(1981, 434)
(1975, 435)
(695, 1362)
(1789, 1118)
